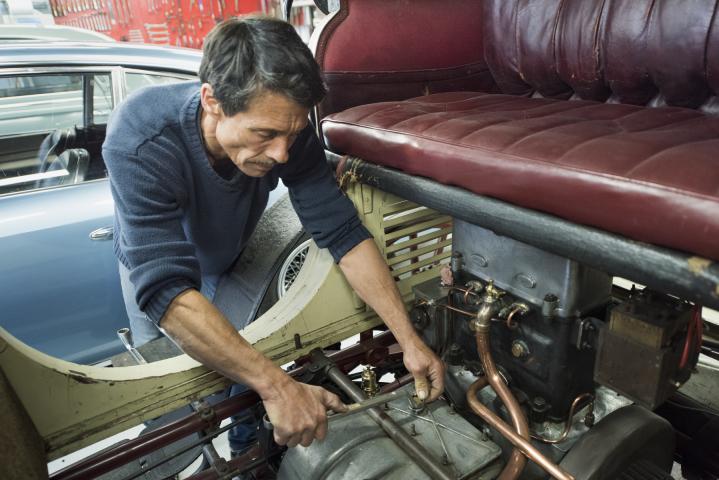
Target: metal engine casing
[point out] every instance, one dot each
(528, 272)
(357, 448)
(554, 366)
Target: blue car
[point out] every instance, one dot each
(59, 284)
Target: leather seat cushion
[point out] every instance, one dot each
(651, 174)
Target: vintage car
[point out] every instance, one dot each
(59, 281)
(512, 159)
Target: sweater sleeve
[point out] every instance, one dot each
(325, 212)
(152, 243)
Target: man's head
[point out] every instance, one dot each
(259, 81)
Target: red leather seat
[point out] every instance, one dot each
(651, 174)
(602, 113)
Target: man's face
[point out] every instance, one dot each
(258, 138)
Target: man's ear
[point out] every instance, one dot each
(209, 103)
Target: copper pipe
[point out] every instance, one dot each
(466, 291)
(522, 444)
(511, 324)
(449, 307)
(517, 461)
(568, 424)
(458, 310)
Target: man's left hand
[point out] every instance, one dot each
(427, 370)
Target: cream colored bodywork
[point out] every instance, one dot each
(75, 405)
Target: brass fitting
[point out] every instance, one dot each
(369, 382)
(492, 293)
(489, 308)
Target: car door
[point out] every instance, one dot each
(59, 285)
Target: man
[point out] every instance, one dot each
(191, 167)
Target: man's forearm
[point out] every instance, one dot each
(207, 336)
(367, 272)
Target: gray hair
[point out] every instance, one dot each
(244, 57)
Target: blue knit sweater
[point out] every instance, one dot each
(177, 220)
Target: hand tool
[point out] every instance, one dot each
(366, 404)
(126, 338)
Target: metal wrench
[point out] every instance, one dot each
(365, 405)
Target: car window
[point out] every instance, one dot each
(41, 116)
(102, 99)
(137, 80)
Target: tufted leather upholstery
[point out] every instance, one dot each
(586, 147)
(650, 174)
(643, 52)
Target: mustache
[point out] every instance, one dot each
(263, 163)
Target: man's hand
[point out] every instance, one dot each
(427, 370)
(366, 270)
(298, 412)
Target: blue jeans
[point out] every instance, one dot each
(144, 330)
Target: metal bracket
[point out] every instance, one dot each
(218, 464)
(320, 362)
(207, 413)
(585, 326)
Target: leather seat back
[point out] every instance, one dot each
(380, 50)
(642, 52)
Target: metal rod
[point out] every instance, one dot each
(439, 435)
(122, 453)
(403, 440)
(661, 268)
(125, 452)
(200, 441)
(217, 463)
(365, 404)
(522, 444)
(243, 463)
(445, 427)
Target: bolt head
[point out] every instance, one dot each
(519, 349)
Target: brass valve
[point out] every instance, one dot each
(488, 308)
(492, 293)
(369, 382)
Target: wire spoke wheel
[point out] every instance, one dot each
(291, 268)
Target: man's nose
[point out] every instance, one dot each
(279, 150)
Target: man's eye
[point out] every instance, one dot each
(266, 135)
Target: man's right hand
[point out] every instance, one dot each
(298, 412)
